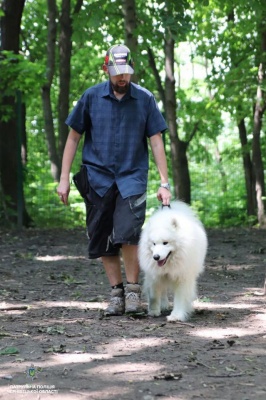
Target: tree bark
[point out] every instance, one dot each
(181, 177)
(248, 169)
(13, 130)
(259, 111)
(65, 49)
(55, 151)
(130, 24)
(252, 168)
(46, 91)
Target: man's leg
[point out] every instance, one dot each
(130, 257)
(133, 291)
(112, 268)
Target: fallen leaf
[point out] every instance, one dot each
(169, 376)
(9, 351)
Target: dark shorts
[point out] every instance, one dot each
(112, 221)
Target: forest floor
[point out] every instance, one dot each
(55, 342)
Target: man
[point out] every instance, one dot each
(117, 117)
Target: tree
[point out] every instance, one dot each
(64, 26)
(11, 127)
(173, 23)
(46, 90)
(232, 36)
(130, 24)
(79, 32)
(259, 110)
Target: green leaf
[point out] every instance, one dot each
(9, 351)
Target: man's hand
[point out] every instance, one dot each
(164, 195)
(63, 191)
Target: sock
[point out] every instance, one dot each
(132, 283)
(119, 286)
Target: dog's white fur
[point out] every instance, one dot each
(178, 234)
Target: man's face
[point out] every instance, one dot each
(120, 83)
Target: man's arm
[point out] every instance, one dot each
(68, 157)
(156, 142)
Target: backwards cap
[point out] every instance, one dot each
(118, 60)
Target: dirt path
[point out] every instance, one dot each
(54, 338)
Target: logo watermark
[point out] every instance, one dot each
(32, 373)
(32, 389)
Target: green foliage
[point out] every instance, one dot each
(17, 74)
(46, 209)
(218, 195)
(226, 51)
(42, 201)
(225, 33)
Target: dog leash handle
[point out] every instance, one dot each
(164, 205)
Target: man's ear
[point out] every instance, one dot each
(105, 68)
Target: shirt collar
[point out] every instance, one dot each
(108, 92)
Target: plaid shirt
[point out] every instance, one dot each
(115, 148)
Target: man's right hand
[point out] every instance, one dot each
(63, 191)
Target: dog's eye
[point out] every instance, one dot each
(165, 243)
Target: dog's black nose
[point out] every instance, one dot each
(156, 257)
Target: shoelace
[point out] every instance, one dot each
(116, 300)
(132, 296)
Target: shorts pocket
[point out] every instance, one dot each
(138, 205)
(81, 181)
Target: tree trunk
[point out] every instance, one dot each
(65, 48)
(46, 91)
(248, 169)
(49, 132)
(257, 160)
(259, 110)
(181, 177)
(11, 131)
(254, 174)
(156, 74)
(130, 23)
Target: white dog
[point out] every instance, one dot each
(172, 251)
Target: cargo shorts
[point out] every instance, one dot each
(113, 221)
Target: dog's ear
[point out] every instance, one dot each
(174, 222)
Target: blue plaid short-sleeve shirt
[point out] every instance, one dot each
(115, 146)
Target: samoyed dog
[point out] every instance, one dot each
(172, 250)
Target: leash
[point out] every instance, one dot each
(164, 205)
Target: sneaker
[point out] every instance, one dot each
(132, 297)
(116, 305)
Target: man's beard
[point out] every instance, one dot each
(120, 89)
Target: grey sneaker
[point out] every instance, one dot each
(132, 296)
(116, 305)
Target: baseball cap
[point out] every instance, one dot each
(118, 60)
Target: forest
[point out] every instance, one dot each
(205, 63)
(203, 60)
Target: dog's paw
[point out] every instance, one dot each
(177, 317)
(154, 313)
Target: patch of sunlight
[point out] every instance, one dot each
(220, 333)
(70, 304)
(58, 258)
(82, 305)
(113, 350)
(129, 368)
(217, 306)
(134, 344)
(70, 358)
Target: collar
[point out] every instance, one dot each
(108, 91)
